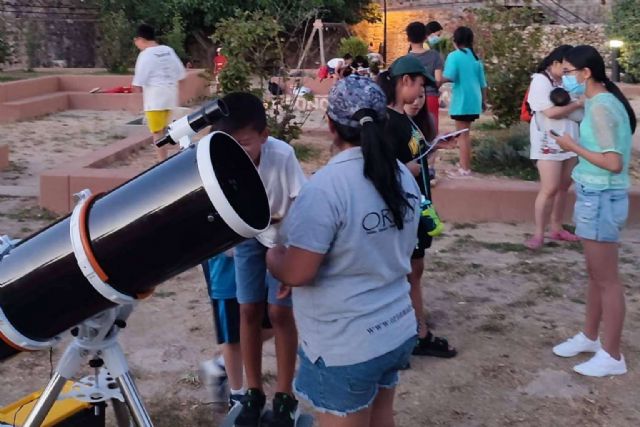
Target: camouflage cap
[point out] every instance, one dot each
(352, 94)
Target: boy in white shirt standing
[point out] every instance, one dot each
(158, 71)
(283, 178)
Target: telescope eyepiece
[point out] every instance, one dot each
(207, 115)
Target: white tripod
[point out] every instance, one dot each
(96, 340)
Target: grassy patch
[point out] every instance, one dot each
(306, 152)
(466, 242)
(33, 213)
(163, 294)
(171, 412)
(190, 379)
(495, 324)
(488, 126)
(504, 152)
(464, 226)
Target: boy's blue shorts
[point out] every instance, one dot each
(253, 282)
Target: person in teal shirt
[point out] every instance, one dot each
(468, 97)
(602, 206)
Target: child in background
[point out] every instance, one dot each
(403, 84)
(432, 62)
(283, 178)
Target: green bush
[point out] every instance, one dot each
(624, 25)
(444, 46)
(5, 48)
(116, 48)
(33, 45)
(505, 152)
(176, 37)
(354, 46)
(251, 43)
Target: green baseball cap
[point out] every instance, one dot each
(409, 64)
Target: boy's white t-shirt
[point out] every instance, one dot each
(283, 178)
(158, 70)
(335, 63)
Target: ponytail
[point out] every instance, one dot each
(615, 91)
(380, 164)
(388, 85)
(463, 38)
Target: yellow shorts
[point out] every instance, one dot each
(157, 120)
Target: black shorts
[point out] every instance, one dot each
(466, 118)
(226, 320)
(424, 242)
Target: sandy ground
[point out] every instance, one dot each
(500, 305)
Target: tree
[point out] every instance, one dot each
(252, 46)
(5, 48)
(201, 16)
(176, 37)
(510, 38)
(116, 48)
(624, 25)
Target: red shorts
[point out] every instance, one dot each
(433, 106)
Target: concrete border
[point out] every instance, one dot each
(57, 186)
(27, 99)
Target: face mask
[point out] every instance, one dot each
(570, 83)
(433, 40)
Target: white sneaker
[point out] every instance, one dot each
(576, 345)
(602, 365)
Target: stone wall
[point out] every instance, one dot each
(63, 30)
(450, 19)
(561, 12)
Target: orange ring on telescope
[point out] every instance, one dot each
(84, 237)
(12, 344)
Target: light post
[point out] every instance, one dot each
(384, 35)
(615, 46)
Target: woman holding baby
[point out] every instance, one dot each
(551, 112)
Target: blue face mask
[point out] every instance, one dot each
(570, 83)
(433, 40)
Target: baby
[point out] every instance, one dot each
(560, 97)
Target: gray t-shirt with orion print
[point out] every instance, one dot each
(358, 306)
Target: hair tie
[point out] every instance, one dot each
(366, 119)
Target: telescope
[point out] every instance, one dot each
(92, 266)
(183, 129)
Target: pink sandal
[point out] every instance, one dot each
(534, 243)
(564, 235)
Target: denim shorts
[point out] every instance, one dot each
(253, 282)
(343, 390)
(600, 214)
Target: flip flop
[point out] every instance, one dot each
(534, 243)
(564, 235)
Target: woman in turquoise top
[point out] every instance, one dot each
(468, 97)
(602, 205)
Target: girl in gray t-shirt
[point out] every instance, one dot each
(349, 236)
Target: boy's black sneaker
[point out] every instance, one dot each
(252, 408)
(235, 399)
(285, 410)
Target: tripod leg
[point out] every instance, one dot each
(132, 397)
(121, 412)
(45, 401)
